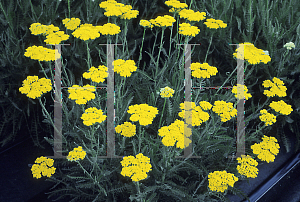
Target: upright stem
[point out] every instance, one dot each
(208, 47)
(162, 113)
(140, 57)
(88, 55)
(69, 7)
(161, 40)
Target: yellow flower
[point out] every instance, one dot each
(267, 149)
(109, 29)
(203, 70)
(173, 133)
(281, 107)
(136, 167)
(163, 21)
(267, 117)
(96, 74)
(277, 88)
(289, 45)
(205, 105)
(113, 8)
(56, 38)
(252, 54)
(188, 30)
(124, 68)
(42, 54)
(43, 166)
(220, 180)
(35, 87)
(130, 14)
(242, 96)
(86, 32)
(215, 24)
(93, 115)
(38, 28)
(248, 166)
(225, 110)
(76, 154)
(127, 129)
(198, 115)
(142, 113)
(190, 15)
(166, 92)
(81, 94)
(146, 23)
(72, 23)
(177, 6)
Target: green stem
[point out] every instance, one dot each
(171, 37)
(88, 54)
(162, 113)
(48, 115)
(43, 69)
(208, 47)
(140, 57)
(69, 8)
(125, 41)
(226, 80)
(161, 40)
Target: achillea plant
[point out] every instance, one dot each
(151, 116)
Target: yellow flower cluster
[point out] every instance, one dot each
(220, 180)
(81, 94)
(252, 54)
(163, 21)
(38, 28)
(43, 166)
(92, 115)
(109, 29)
(86, 32)
(142, 113)
(203, 70)
(114, 8)
(239, 87)
(281, 107)
(248, 166)
(166, 92)
(277, 88)
(188, 30)
(176, 5)
(267, 149)
(173, 133)
(198, 115)
(124, 68)
(76, 154)
(215, 24)
(267, 117)
(190, 15)
(136, 167)
(127, 129)
(72, 23)
(42, 54)
(35, 87)
(56, 37)
(96, 74)
(225, 110)
(289, 45)
(146, 23)
(52, 33)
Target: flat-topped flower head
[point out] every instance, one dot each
(86, 32)
(81, 94)
(56, 37)
(93, 115)
(76, 154)
(215, 24)
(220, 180)
(43, 166)
(34, 87)
(42, 54)
(109, 29)
(252, 54)
(289, 45)
(136, 167)
(96, 74)
(267, 149)
(267, 117)
(146, 24)
(126, 129)
(124, 68)
(163, 21)
(248, 166)
(142, 113)
(241, 88)
(203, 70)
(191, 15)
(72, 23)
(281, 107)
(176, 5)
(166, 92)
(188, 30)
(277, 88)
